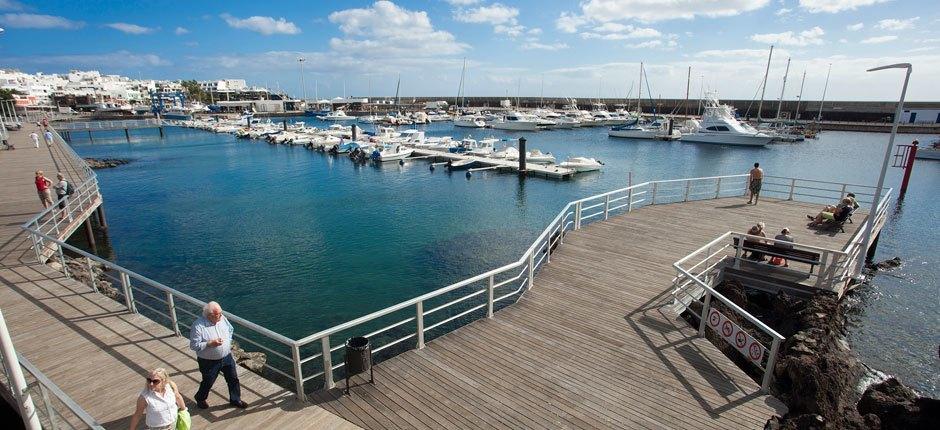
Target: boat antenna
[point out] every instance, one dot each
(782, 88)
(825, 88)
(764, 85)
(799, 98)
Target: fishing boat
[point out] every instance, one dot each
(336, 115)
(392, 152)
(719, 126)
(582, 164)
(537, 157)
(484, 148)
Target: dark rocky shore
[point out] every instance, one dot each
(106, 163)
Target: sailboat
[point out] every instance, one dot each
(637, 130)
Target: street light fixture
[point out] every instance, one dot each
(303, 86)
(884, 166)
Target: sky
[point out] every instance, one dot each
(586, 49)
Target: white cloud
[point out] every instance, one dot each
(922, 49)
(652, 11)
(783, 11)
(512, 30)
(812, 36)
(462, 2)
(265, 25)
(545, 47)
(494, 14)
(666, 45)
(835, 6)
(180, 31)
(387, 30)
(737, 53)
(896, 24)
(129, 28)
(534, 31)
(30, 20)
(10, 5)
(843, 40)
(879, 39)
(855, 27)
(617, 31)
(569, 22)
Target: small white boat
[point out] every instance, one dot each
(470, 121)
(393, 152)
(582, 164)
(929, 152)
(507, 153)
(537, 157)
(336, 115)
(517, 121)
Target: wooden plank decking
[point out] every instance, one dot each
(90, 346)
(590, 346)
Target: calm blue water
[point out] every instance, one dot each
(299, 241)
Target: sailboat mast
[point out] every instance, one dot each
(688, 85)
(799, 98)
(397, 89)
(826, 88)
(764, 87)
(460, 87)
(542, 92)
(639, 93)
(784, 87)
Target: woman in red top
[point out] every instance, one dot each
(42, 187)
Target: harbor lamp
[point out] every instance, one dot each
(884, 166)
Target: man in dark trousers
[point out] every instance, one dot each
(211, 338)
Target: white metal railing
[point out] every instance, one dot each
(55, 409)
(301, 361)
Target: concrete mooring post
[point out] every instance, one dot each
(522, 154)
(127, 134)
(102, 221)
(908, 167)
(90, 236)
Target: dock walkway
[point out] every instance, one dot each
(91, 346)
(591, 345)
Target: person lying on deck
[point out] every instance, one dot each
(832, 213)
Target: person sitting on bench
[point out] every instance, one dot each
(829, 213)
(781, 240)
(756, 230)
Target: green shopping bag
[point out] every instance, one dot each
(183, 420)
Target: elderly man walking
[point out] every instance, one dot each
(211, 338)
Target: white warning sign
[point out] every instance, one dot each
(737, 337)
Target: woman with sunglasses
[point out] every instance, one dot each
(160, 401)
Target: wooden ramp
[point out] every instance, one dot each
(591, 345)
(90, 346)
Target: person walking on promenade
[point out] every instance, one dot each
(160, 400)
(211, 338)
(62, 192)
(35, 138)
(754, 180)
(42, 187)
(48, 136)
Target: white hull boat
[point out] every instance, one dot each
(336, 115)
(719, 126)
(582, 164)
(391, 153)
(537, 157)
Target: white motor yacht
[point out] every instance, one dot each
(655, 131)
(507, 153)
(336, 115)
(471, 121)
(537, 157)
(392, 152)
(582, 164)
(719, 126)
(517, 121)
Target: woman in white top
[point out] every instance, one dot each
(160, 401)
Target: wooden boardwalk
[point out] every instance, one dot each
(90, 346)
(591, 345)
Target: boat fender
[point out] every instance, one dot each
(432, 167)
(401, 162)
(469, 174)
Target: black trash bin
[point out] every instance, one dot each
(358, 359)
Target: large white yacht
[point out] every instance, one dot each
(517, 121)
(719, 126)
(336, 115)
(471, 121)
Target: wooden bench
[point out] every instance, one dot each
(782, 251)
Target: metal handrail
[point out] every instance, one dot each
(47, 384)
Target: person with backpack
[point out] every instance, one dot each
(63, 189)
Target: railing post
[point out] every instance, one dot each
(688, 186)
(577, 216)
(91, 274)
(65, 268)
(50, 411)
(36, 245)
(769, 370)
(561, 230)
(630, 200)
(738, 250)
(171, 304)
(548, 249)
(298, 373)
(842, 193)
(792, 188)
(419, 314)
(128, 294)
(328, 382)
(704, 317)
(653, 194)
(489, 296)
(530, 279)
(606, 207)
(718, 189)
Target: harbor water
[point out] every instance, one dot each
(299, 241)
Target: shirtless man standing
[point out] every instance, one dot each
(754, 179)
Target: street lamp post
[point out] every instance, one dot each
(869, 225)
(303, 86)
